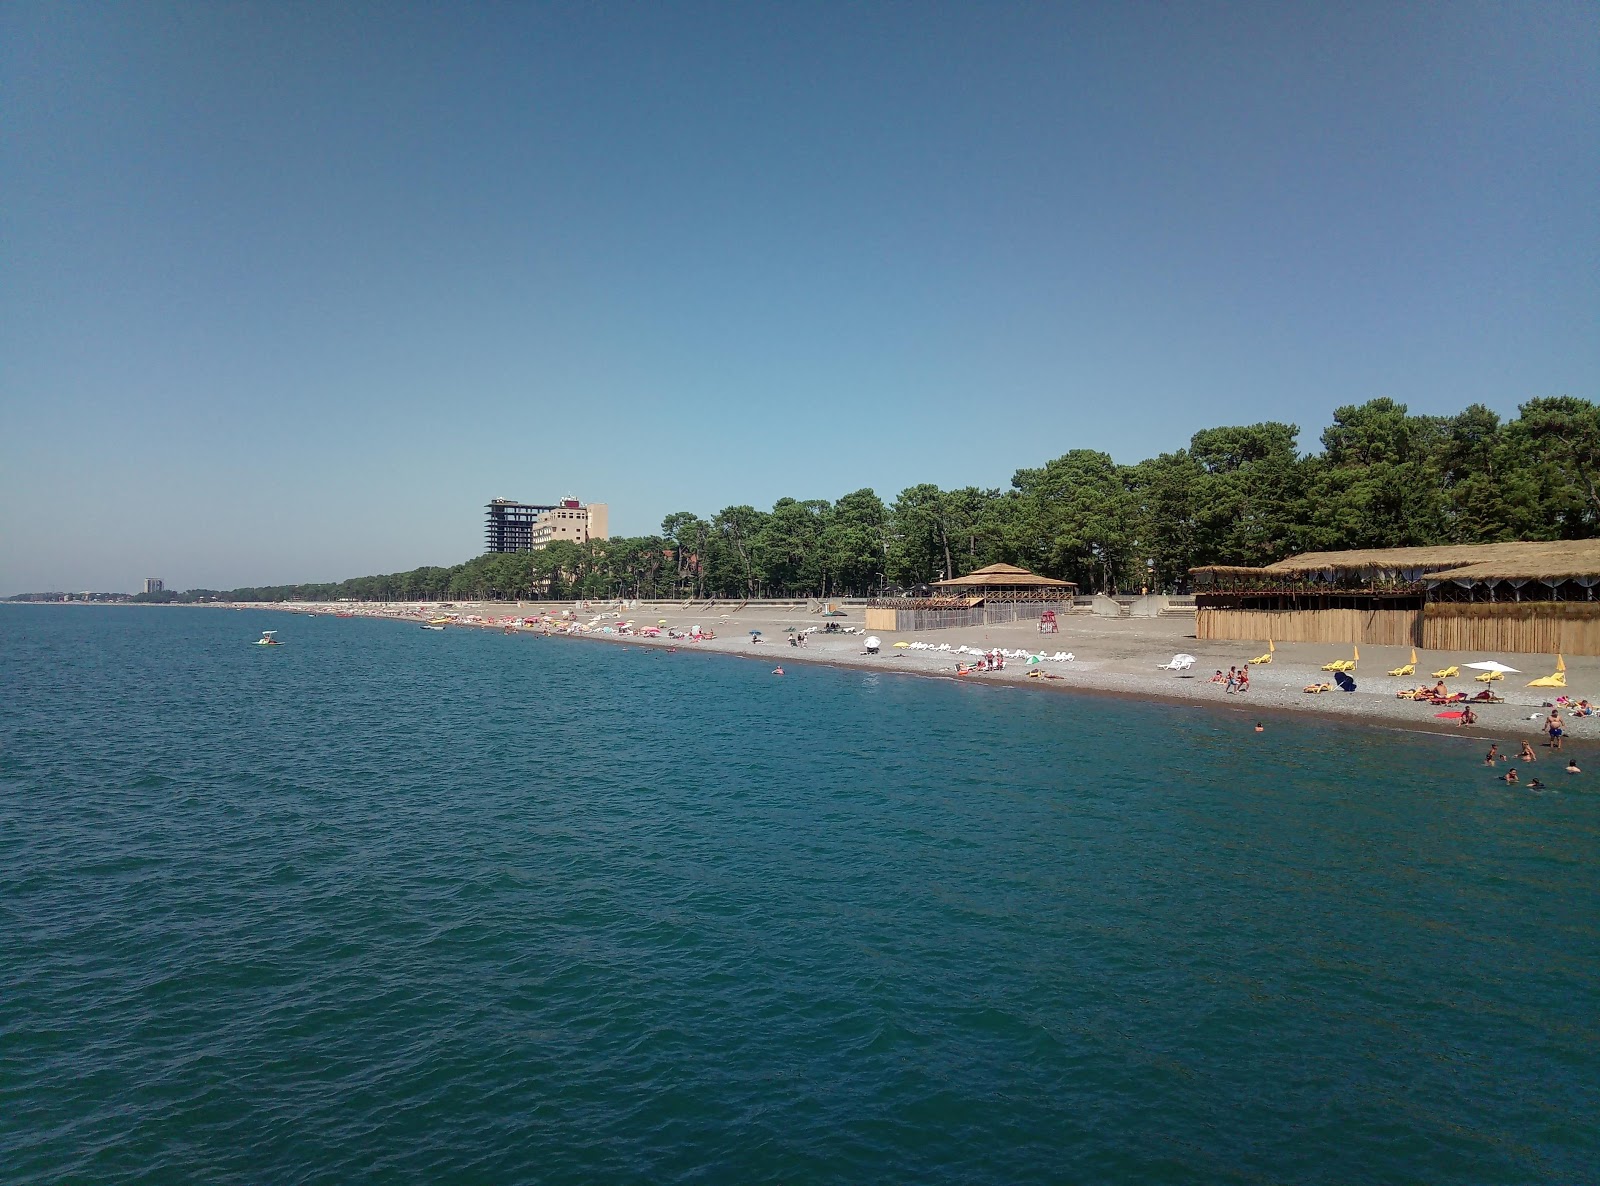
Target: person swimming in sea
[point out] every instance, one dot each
(1526, 754)
(1510, 777)
(1535, 785)
(1260, 728)
(1572, 766)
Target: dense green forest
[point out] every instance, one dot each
(1243, 495)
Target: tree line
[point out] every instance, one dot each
(1236, 495)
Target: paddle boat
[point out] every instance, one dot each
(268, 639)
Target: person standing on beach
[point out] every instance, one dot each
(1233, 680)
(1553, 726)
(1244, 678)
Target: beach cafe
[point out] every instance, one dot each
(991, 595)
(1536, 597)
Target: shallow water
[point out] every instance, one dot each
(386, 905)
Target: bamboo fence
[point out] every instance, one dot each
(1532, 627)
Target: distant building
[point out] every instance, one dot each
(527, 527)
(153, 585)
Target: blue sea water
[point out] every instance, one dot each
(393, 906)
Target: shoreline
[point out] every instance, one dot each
(1117, 658)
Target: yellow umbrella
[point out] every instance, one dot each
(902, 644)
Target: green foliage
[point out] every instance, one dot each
(1237, 495)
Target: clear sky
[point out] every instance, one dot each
(291, 290)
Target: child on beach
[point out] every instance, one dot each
(1244, 678)
(1494, 755)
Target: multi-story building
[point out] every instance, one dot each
(509, 525)
(153, 585)
(525, 527)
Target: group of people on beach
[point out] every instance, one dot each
(1237, 679)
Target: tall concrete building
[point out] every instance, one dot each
(153, 585)
(527, 527)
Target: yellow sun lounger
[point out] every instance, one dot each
(1556, 680)
(1340, 665)
(1260, 659)
(1405, 669)
(1447, 673)
(1488, 677)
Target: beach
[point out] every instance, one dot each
(1111, 656)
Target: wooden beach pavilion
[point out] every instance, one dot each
(994, 594)
(1529, 596)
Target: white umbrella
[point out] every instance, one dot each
(1491, 665)
(1184, 659)
(873, 642)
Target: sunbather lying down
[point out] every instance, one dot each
(1315, 688)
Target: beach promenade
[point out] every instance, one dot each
(1111, 656)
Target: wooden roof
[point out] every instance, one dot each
(1003, 576)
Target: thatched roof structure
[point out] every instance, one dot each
(1553, 558)
(1003, 576)
(1520, 560)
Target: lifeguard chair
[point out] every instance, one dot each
(1047, 622)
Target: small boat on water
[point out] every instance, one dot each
(431, 626)
(268, 639)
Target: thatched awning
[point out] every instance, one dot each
(1003, 576)
(1522, 558)
(1232, 570)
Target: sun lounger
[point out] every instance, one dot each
(1447, 673)
(1316, 689)
(1405, 669)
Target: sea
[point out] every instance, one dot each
(384, 905)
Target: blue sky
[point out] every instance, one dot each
(292, 290)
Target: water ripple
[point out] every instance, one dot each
(393, 907)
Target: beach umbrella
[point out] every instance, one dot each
(753, 633)
(873, 643)
(898, 645)
(1344, 681)
(661, 621)
(1491, 665)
